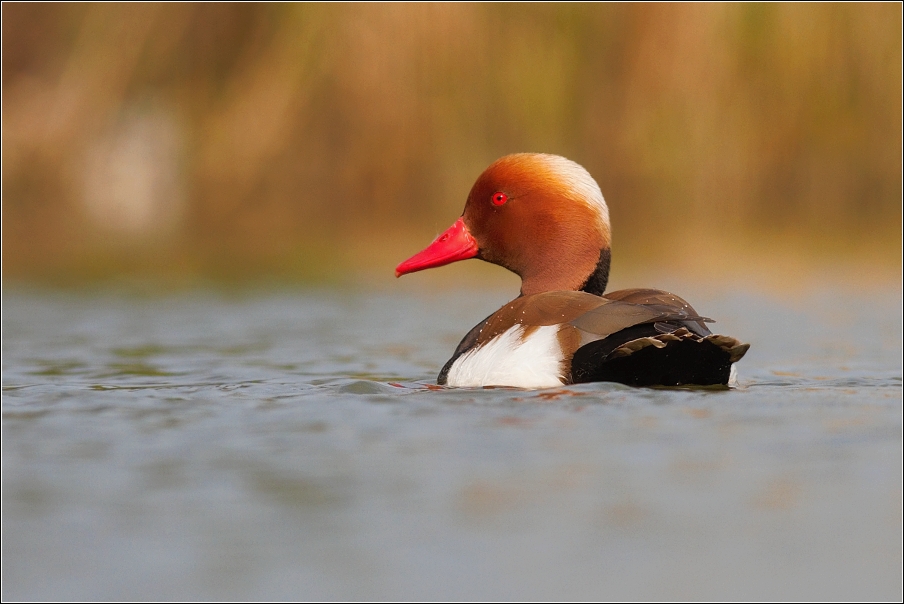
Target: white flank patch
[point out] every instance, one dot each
(581, 185)
(506, 360)
(733, 376)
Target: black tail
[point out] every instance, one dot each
(644, 356)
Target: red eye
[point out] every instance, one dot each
(499, 198)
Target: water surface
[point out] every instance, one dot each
(288, 445)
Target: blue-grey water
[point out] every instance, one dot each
(288, 445)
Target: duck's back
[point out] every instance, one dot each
(642, 337)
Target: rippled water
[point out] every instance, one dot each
(288, 445)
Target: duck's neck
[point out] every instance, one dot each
(550, 276)
(596, 282)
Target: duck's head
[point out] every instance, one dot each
(541, 216)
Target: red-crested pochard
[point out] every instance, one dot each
(544, 218)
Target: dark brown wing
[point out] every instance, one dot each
(630, 307)
(668, 303)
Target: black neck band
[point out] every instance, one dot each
(596, 282)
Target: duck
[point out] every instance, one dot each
(543, 217)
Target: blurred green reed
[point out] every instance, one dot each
(302, 140)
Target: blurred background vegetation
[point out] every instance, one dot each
(305, 141)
